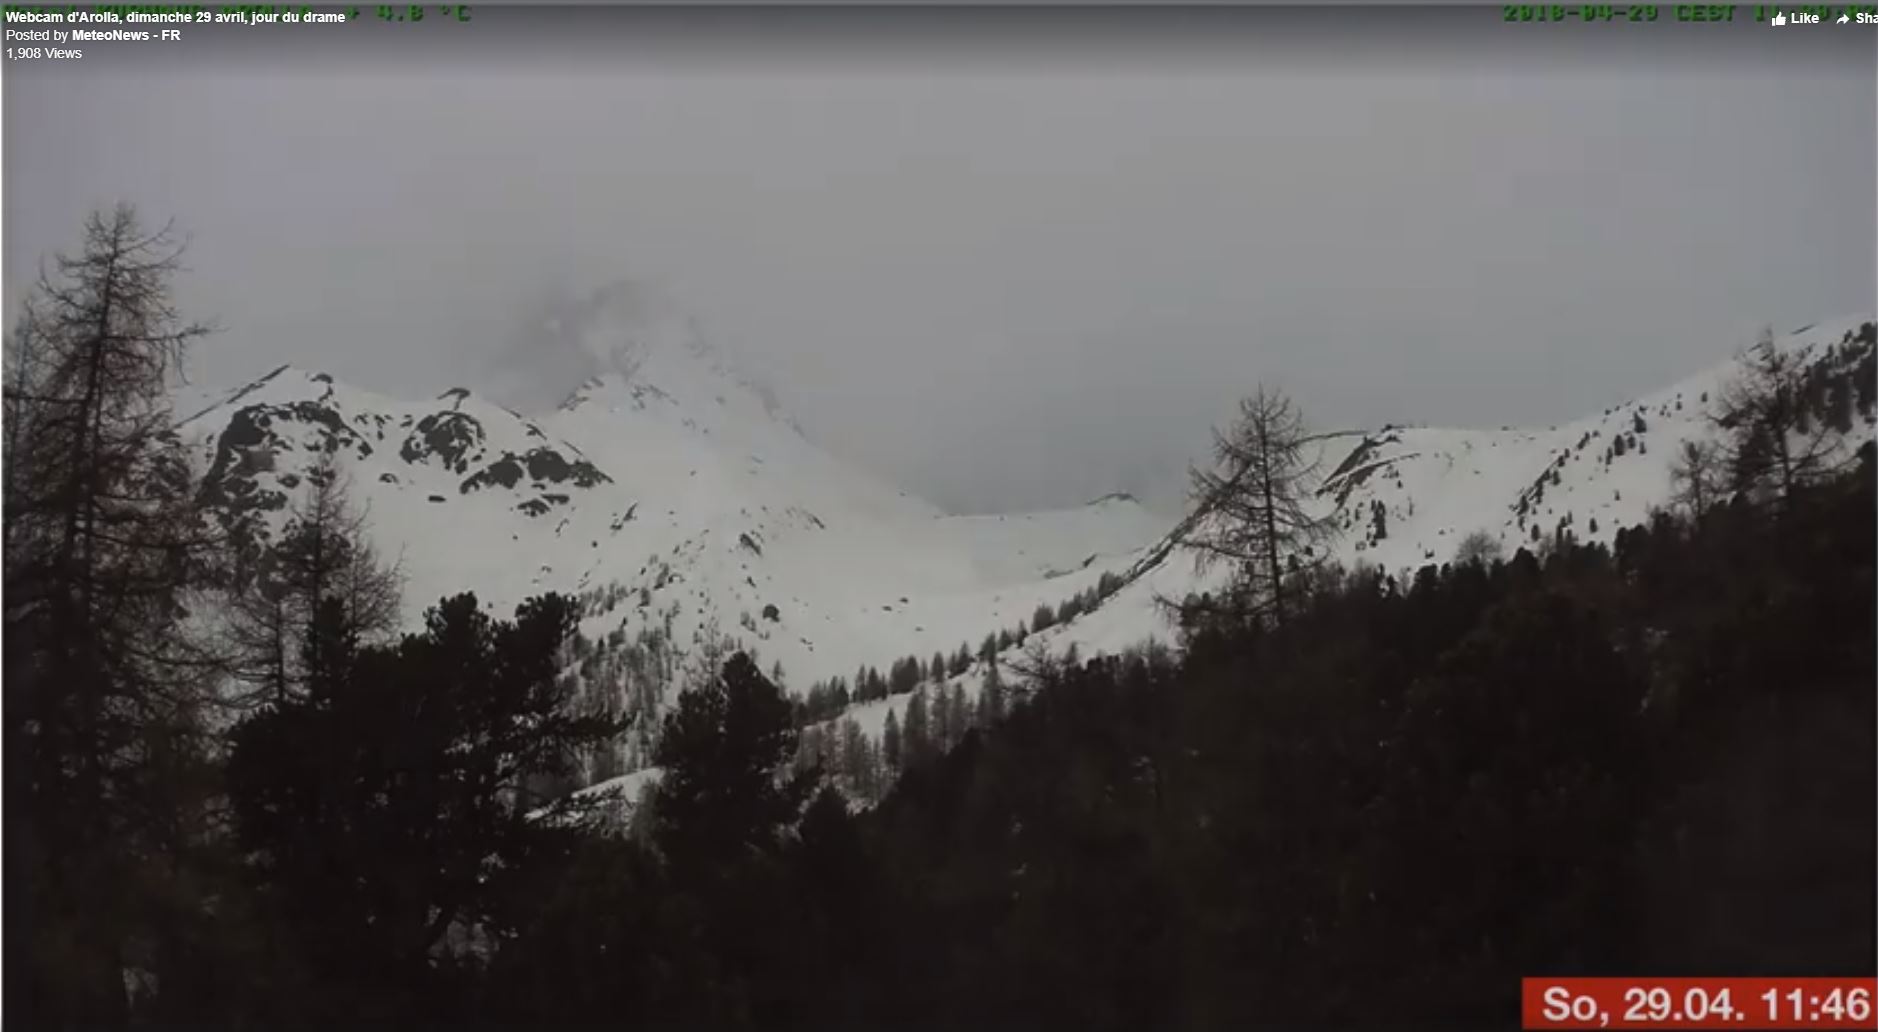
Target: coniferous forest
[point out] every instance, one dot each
(1379, 804)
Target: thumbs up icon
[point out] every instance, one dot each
(1778, 19)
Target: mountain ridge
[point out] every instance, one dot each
(660, 476)
(682, 510)
(1407, 463)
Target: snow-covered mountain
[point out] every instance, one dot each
(671, 491)
(678, 499)
(1406, 496)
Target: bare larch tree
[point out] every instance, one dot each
(1698, 477)
(102, 545)
(1254, 505)
(324, 555)
(1773, 442)
(1480, 547)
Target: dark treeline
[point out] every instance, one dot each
(826, 700)
(1653, 758)
(1348, 800)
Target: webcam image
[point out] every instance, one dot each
(916, 516)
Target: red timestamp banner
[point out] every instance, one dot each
(1698, 1003)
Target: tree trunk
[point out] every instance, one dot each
(1271, 536)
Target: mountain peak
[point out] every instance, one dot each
(643, 352)
(625, 324)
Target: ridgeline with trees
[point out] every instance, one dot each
(237, 800)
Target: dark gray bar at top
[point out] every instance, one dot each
(1146, 4)
(778, 36)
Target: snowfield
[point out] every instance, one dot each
(678, 499)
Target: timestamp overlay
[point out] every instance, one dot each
(1698, 1003)
(1772, 15)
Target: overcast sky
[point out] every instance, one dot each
(1004, 283)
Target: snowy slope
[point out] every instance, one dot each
(1406, 496)
(1595, 476)
(1433, 486)
(682, 504)
(673, 493)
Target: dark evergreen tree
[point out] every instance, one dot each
(961, 660)
(809, 708)
(904, 675)
(917, 731)
(991, 701)
(1838, 408)
(378, 805)
(944, 735)
(721, 819)
(721, 749)
(890, 742)
(857, 761)
(959, 713)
